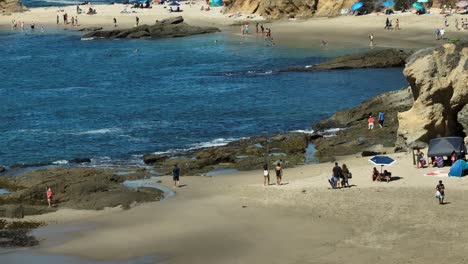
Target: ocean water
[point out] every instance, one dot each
(63, 98)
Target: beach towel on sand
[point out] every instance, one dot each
(437, 173)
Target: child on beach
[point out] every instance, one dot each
(266, 175)
(440, 194)
(279, 173)
(50, 195)
(370, 122)
(176, 175)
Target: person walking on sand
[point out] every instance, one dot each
(346, 175)
(137, 19)
(73, 21)
(279, 173)
(381, 118)
(58, 19)
(176, 175)
(370, 122)
(256, 28)
(266, 175)
(50, 195)
(115, 22)
(76, 21)
(440, 192)
(371, 41)
(397, 24)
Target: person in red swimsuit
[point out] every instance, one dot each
(50, 194)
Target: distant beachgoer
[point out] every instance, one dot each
(246, 29)
(256, 28)
(262, 29)
(337, 174)
(33, 26)
(439, 161)
(421, 162)
(453, 157)
(371, 40)
(440, 192)
(242, 29)
(279, 173)
(50, 195)
(381, 119)
(375, 175)
(387, 24)
(266, 175)
(346, 175)
(456, 24)
(77, 9)
(76, 21)
(176, 175)
(65, 18)
(397, 24)
(137, 21)
(22, 25)
(73, 21)
(58, 19)
(446, 21)
(323, 43)
(370, 122)
(42, 29)
(387, 176)
(115, 22)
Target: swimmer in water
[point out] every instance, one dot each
(136, 50)
(323, 43)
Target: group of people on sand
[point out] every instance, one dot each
(437, 161)
(20, 25)
(73, 21)
(278, 173)
(371, 120)
(340, 177)
(388, 24)
(384, 176)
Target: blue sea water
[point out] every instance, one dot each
(62, 97)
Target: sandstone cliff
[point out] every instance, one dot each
(438, 79)
(9, 6)
(290, 8)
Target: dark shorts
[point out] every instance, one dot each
(381, 122)
(175, 178)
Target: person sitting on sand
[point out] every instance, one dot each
(439, 161)
(346, 175)
(176, 175)
(387, 176)
(266, 175)
(50, 195)
(375, 175)
(279, 173)
(440, 192)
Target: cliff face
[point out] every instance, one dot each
(439, 83)
(10, 6)
(290, 8)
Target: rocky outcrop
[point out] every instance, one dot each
(353, 135)
(15, 233)
(290, 8)
(167, 28)
(463, 120)
(10, 6)
(387, 58)
(438, 79)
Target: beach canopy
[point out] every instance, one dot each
(388, 3)
(174, 4)
(445, 146)
(458, 168)
(216, 2)
(418, 6)
(462, 4)
(356, 6)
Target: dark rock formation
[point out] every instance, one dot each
(90, 29)
(15, 234)
(153, 158)
(355, 137)
(2, 169)
(387, 58)
(80, 160)
(167, 28)
(10, 6)
(438, 79)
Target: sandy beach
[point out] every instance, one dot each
(338, 32)
(235, 219)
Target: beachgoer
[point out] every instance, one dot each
(440, 192)
(323, 43)
(375, 175)
(137, 19)
(115, 22)
(346, 175)
(65, 18)
(176, 175)
(42, 29)
(256, 28)
(246, 29)
(279, 173)
(387, 24)
(371, 40)
(76, 21)
(262, 29)
(397, 24)
(58, 19)
(439, 161)
(453, 157)
(421, 162)
(387, 176)
(50, 195)
(370, 123)
(456, 24)
(266, 175)
(242, 30)
(73, 21)
(446, 22)
(337, 174)
(442, 33)
(381, 118)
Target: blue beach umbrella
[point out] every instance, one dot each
(418, 6)
(356, 6)
(388, 3)
(174, 4)
(423, 1)
(382, 161)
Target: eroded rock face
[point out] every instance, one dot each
(463, 120)
(290, 8)
(10, 6)
(438, 79)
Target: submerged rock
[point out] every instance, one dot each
(167, 28)
(387, 58)
(438, 79)
(2, 169)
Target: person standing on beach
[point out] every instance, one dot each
(262, 29)
(266, 175)
(371, 40)
(397, 25)
(440, 192)
(337, 172)
(50, 195)
(115, 22)
(137, 21)
(381, 118)
(279, 173)
(176, 175)
(73, 21)
(58, 19)
(76, 21)
(370, 122)
(256, 28)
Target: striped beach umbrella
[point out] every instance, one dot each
(356, 6)
(418, 6)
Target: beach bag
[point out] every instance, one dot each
(437, 194)
(350, 175)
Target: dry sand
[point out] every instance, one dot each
(235, 219)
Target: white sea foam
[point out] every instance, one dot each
(60, 162)
(99, 131)
(214, 143)
(304, 131)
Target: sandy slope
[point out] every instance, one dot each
(301, 222)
